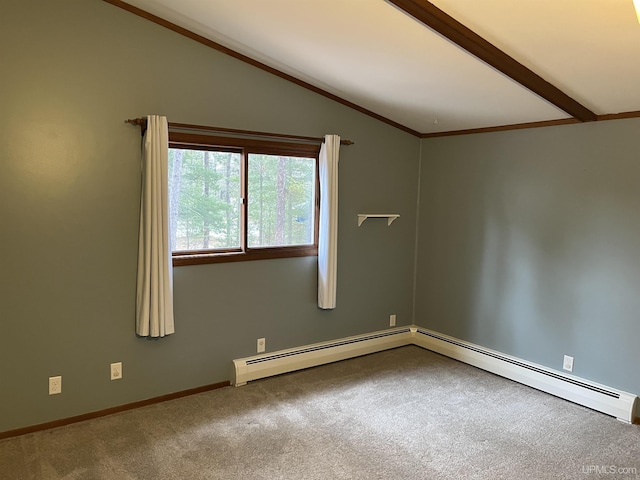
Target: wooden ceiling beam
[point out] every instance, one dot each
(434, 18)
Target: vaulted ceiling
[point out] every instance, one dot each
(434, 67)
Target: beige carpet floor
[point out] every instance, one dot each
(401, 414)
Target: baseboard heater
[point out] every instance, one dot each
(283, 361)
(604, 399)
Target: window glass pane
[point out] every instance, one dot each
(281, 193)
(204, 199)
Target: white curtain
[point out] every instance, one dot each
(154, 301)
(328, 229)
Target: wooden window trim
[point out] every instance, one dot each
(266, 253)
(246, 146)
(199, 141)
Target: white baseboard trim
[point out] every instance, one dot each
(616, 403)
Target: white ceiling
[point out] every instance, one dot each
(373, 54)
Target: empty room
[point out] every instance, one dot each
(320, 239)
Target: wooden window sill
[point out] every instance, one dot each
(199, 258)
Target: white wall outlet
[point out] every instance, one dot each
(116, 371)
(567, 364)
(392, 320)
(262, 345)
(55, 385)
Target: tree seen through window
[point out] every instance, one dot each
(206, 208)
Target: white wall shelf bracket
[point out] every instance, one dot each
(389, 216)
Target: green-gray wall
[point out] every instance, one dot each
(529, 244)
(72, 72)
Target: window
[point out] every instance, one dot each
(236, 199)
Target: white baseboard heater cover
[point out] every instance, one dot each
(283, 361)
(604, 399)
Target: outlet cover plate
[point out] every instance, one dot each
(116, 371)
(567, 364)
(392, 320)
(262, 345)
(55, 385)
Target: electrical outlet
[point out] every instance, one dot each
(392, 320)
(116, 371)
(55, 385)
(567, 364)
(262, 345)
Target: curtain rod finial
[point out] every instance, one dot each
(136, 121)
(139, 122)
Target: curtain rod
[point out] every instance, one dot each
(142, 123)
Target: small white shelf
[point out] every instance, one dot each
(389, 216)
